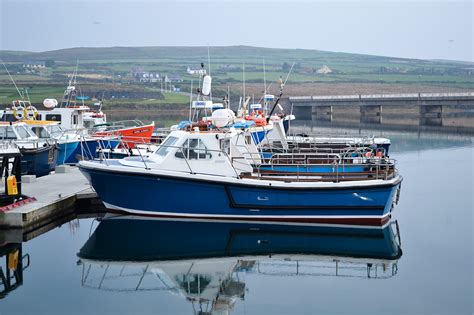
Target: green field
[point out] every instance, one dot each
(112, 67)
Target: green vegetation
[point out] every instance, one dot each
(111, 69)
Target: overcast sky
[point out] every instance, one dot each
(413, 29)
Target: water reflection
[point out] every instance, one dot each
(12, 265)
(207, 262)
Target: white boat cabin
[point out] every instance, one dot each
(20, 134)
(74, 117)
(210, 152)
(52, 130)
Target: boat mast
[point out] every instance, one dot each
(11, 78)
(282, 84)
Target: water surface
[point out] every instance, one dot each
(433, 275)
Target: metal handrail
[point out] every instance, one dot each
(380, 167)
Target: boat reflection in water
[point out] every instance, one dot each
(205, 261)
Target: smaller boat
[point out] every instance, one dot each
(39, 157)
(131, 132)
(67, 141)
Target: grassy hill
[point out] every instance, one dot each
(113, 66)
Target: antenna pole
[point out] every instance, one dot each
(11, 78)
(191, 100)
(209, 62)
(282, 84)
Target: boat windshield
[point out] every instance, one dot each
(41, 132)
(166, 146)
(24, 132)
(89, 124)
(6, 132)
(55, 130)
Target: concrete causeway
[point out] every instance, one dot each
(56, 195)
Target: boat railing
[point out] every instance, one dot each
(328, 167)
(123, 278)
(187, 153)
(336, 168)
(335, 267)
(345, 150)
(294, 136)
(116, 125)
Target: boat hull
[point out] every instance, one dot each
(87, 149)
(258, 134)
(65, 151)
(131, 136)
(39, 161)
(177, 197)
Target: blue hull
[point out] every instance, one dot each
(88, 149)
(132, 239)
(65, 151)
(40, 161)
(286, 125)
(258, 136)
(174, 197)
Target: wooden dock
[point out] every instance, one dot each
(56, 195)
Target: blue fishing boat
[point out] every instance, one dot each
(67, 141)
(220, 183)
(39, 157)
(39, 161)
(89, 147)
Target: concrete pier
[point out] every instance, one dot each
(56, 195)
(450, 110)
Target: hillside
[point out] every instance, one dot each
(122, 68)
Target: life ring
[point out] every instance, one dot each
(19, 112)
(31, 112)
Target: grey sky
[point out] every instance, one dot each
(421, 29)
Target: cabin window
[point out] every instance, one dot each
(53, 117)
(225, 146)
(8, 117)
(7, 133)
(166, 146)
(248, 140)
(40, 132)
(194, 149)
(74, 119)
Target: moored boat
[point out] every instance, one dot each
(131, 132)
(39, 157)
(204, 175)
(67, 142)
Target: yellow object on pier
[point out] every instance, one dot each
(12, 188)
(13, 260)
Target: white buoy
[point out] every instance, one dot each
(222, 117)
(50, 103)
(206, 85)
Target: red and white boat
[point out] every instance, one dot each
(131, 132)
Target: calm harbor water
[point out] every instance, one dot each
(135, 266)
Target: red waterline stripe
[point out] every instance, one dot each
(342, 221)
